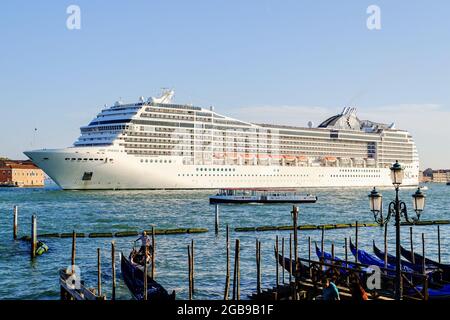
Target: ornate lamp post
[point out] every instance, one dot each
(398, 208)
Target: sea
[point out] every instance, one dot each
(60, 211)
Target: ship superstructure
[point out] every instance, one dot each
(155, 144)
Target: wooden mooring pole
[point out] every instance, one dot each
(290, 258)
(346, 252)
(189, 272)
(113, 270)
(216, 220)
(322, 242)
(258, 266)
(74, 249)
(192, 266)
(385, 245)
(153, 253)
(356, 241)
(439, 243)
(227, 278)
(236, 275)
(145, 273)
(332, 252)
(423, 254)
(424, 271)
(294, 218)
(413, 260)
(15, 222)
(282, 262)
(277, 264)
(99, 273)
(33, 235)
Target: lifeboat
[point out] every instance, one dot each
(263, 156)
(344, 160)
(231, 156)
(330, 159)
(290, 157)
(247, 155)
(219, 155)
(358, 160)
(276, 156)
(302, 158)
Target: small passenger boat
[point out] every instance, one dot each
(233, 195)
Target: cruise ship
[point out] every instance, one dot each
(156, 144)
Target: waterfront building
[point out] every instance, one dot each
(19, 173)
(441, 175)
(156, 144)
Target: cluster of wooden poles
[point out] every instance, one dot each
(293, 253)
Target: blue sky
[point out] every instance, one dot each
(267, 61)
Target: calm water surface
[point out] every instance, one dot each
(113, 211)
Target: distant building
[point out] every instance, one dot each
(441, 175)
(423, 177)
(20, 174)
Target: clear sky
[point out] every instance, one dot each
(267, 61)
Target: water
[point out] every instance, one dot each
(113, 211)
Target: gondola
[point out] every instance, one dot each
(418, 259)
(328, 257)
(303, 272)
(368, 259)
(133, 275)
(393, 260)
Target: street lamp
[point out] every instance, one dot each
(397, 208)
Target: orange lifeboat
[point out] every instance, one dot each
(276, 156)
(263, 156)
(330, 159)
(232, 155)
(290, 157)
(247, 155)
(302, 158)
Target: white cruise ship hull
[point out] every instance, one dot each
(92, 168)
